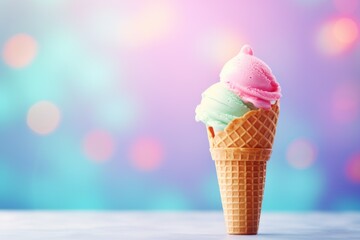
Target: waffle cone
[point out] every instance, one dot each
(240, 153)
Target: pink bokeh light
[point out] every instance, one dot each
(345, 30)
(353, 168)
(99, 145)
(301, 154)
(20, 50)
(147, 153)
(345, 104)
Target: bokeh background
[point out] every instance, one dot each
(97, 101)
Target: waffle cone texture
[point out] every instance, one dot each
(240, 153)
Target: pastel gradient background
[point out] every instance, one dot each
(97, 101)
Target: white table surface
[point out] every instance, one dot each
(79, 225)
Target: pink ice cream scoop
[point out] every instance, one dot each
(251, 79)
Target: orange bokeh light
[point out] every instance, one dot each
(219, 46)
(336, 36)
(43, 117)
(345, 30)
(150, 23)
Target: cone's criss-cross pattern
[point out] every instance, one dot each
(240, 153)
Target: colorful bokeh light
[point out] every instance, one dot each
(345, 103)
(211, 192)
(353, 168)
(97, 101)
(299, 190)
(147, 153)
(99, 145)
(43, 117)
(219, 45)
(301, 154)
(337, 36)
(150, 23)
(20, 50)
(345, 31)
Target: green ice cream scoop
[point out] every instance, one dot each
(219, 106)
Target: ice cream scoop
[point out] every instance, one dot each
(251, 79)
(244, 106)
(219, 106)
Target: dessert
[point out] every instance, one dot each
(240, 114)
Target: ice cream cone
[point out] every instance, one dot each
(240, 153)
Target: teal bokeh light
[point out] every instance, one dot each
(62, 178)
(211, 192)
(296, 189)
